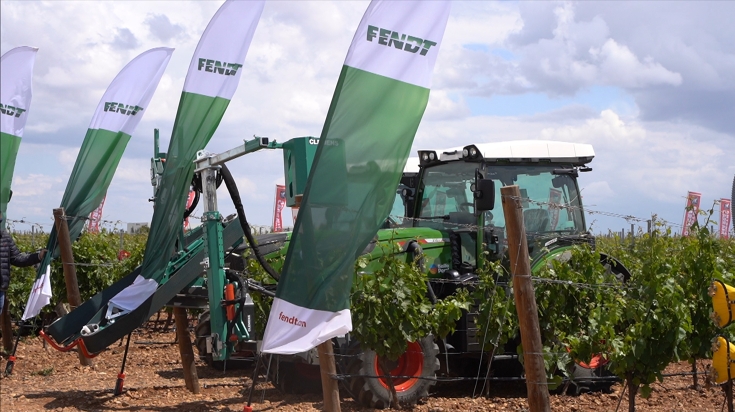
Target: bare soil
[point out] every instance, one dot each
(44, 379)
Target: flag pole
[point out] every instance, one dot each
(11, 358)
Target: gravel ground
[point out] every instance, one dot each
(44, 379)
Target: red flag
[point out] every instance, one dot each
(692, 210)
(280, 203)
(189, 201)
(93, 224)
(725, 216)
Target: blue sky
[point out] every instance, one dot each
(596, 98)
(649, 84)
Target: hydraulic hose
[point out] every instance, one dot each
(416, 254)
(235, 195)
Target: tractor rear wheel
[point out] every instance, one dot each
(413, 374)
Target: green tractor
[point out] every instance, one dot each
(438, 221)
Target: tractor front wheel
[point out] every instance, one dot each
(413, 374)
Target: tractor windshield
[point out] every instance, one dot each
(551, 202)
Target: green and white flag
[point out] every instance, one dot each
(40, 295)
(16, 72)
(377, 105)
(118, 113)
(214, 73)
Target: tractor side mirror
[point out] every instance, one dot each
(484, 192)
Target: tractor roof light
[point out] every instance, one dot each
(427, 157)
(471, 152)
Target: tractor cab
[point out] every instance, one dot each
(454, 210)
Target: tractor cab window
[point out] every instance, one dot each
(397, 213)
(446, 198)
(551, 202)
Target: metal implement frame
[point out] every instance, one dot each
(221, 345)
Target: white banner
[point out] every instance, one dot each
(16, 72)
(122, 105)
(216, 66)
(377, 106)
(394, 40)
(40, 295)
(315, 327)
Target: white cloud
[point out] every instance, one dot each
(33, 185)
(441, 106)
(67, 158)
(639, 168)
(600, 190)
(34, 197)
(582, 53)
(653, 162)
(135, 171)
(675, 60)
(675, 57)
(620, 67)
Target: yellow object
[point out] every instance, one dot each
(723, 356)
(722, 302)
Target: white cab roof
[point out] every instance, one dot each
(528, 151)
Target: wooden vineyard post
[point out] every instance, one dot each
(330, 388)
(188, 361)
(525, 299)
(70, 271)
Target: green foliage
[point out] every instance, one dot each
(580, 302)
(390, 307)
(496, 318)
(262, 302)
(699, 263)
(97, 266)
(655, 319)
(691, 263)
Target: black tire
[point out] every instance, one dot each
(420, 360)
(202, 330)
(295, 378)
(586, 379)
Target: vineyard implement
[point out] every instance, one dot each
(438, 222)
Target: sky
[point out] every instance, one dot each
(650, 85)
